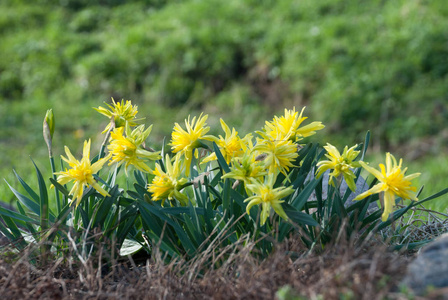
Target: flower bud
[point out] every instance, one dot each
(49, 119)
(48, 129)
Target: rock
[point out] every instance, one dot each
(430, 268)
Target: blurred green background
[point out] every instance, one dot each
(356, 65)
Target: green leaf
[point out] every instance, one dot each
(192, 233)
(126, 221)
(238, 198)
(197, 223)
(84, 217)
(27, 188)
(216, 179)
(140, 190)
(338, 207)
(105, 206)
(135, 195)
(43, 205)
(140, 179)
(221, 161)
(227, 189)
(162, 244)
(112, 178)
(298, 182)
(110, 222)
(208, 208)
(194, 161)
(182, 210)
(307, 164)
(18, 239)
(436, 195)
(59, 187)
(303, 197)
(366, 144)
(145, 208)
(7, 233)
(215, 193)
(298, 216)
(27, 224)
(410, 246)
(12, 214)
(320, 203)
(30, 204)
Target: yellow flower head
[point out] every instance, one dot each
(392, 182)
(287, 126)
(122, 113)
(280, 154)
(230, 146)
(129, 150)
(184, 142)
(81, 173)
(246, 168)
(168, 184)
(340, 164)
(267, 196)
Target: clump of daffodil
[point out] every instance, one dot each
(122, 113)
(184, 142)
(392, 182)
(167, 185)
(81, 172)
(268, 197)
(230, 146)
(128, 149)
(280, 154)
(287, 126)
(341, 165)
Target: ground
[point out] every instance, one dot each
(342, 271)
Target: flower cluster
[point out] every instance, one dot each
(254, 161)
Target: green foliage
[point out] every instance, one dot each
(227, 57)
(216, 56)
(172, 53)
(37, 225)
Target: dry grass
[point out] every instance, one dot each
(367, 271)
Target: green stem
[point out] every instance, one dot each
(58, 199)
(339, 183)
(106, 139)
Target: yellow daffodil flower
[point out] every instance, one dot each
(287, 126)
(267, 196)
(184, 142)
(246, 168)
(81, 173)
(280, 154)
(393, 182)
(129, 150)
(122, 113)
(340, 164)
(167, 185)
(230, 146)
